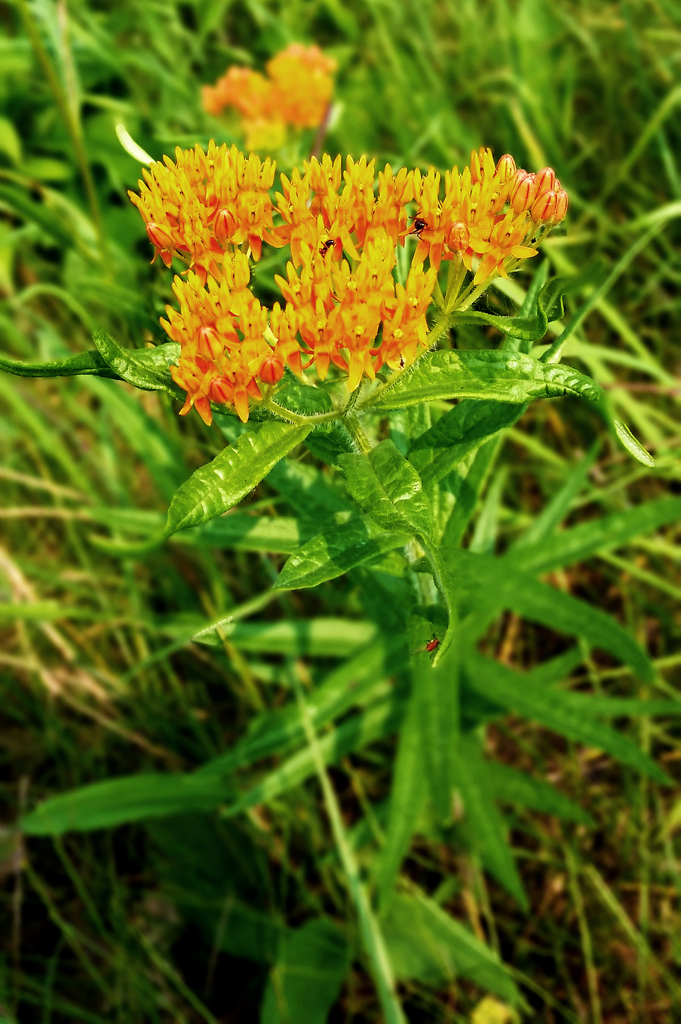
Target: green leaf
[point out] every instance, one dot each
(466, 484)
(336, 550)
(356, 733)
(306, 400)
(426, 944)
(517, 692)
(309, 491)
(352, 684)
(281, 534)
(147, 369)
(311, 963)
(330, 444)
(485, 824)
(323, 637)
(523, 328)
(491, 374)
(85, 362)
(388, 489)
(459, 432)
(518, 788)
(407, 796)
(553, 514)
(216, 487)
(579, 542)
(131, 798)
(494, 584)
(437, 690)
(633, 446)
(243, 532)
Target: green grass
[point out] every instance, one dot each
(194, 918)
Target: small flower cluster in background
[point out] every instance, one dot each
(296, 93)
(343, 305)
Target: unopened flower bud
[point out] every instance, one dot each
(544, 208)
(271, 371)
(458, 236)
(209, 342)
(522, 192)
(221, 391)
(506, 167)
(561, 205)
(225, 225)
(158, 236)
(545, 180)
(476, 169)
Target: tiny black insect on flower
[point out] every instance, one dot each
(325, 246)
(419, 225)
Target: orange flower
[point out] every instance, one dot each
(302, 85)
(296, 92)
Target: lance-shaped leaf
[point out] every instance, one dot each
(633, 445)
(518, 788)
(579, 542)
(458, 433)
(426, 944)
(489, 585)
(388, 489)
(518, 692)
(147, 369)
(85, 362)
(216, 487)
(337, 550)
(130, 798)
(498, 376)
(485, 824)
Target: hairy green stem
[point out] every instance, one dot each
(357, 433)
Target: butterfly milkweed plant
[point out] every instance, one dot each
(341, 380)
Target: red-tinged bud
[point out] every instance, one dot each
(476, 170)
(546, 181)
(522, 193)
(209, 342)
(158, 236)
(271, 371)
(225, 225)
(221, 391)
(561, 205)
(544, 208)
(506, 167)
(459, 236)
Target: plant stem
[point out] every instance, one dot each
(372, 936)
(357, 432)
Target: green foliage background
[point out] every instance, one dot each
(111, 663)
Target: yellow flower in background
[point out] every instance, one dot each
(295, 93)
(342, 305)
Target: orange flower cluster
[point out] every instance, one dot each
(214, 210)
(340, 312)
(221, 331)
(205, 204)
(297, 92)
(495, 212)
